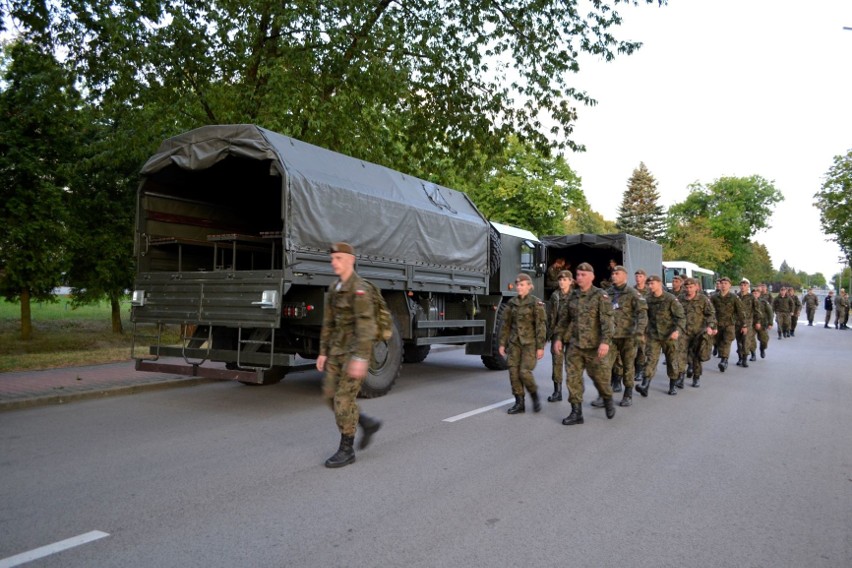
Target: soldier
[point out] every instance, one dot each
(729, 317)
(841, 309)
(665, 326)
(586, 326)
(630, 318)
(746, 343)
(346, 345)
(699, 326)
(810, 302)
(797, 309)
(524, 332)
(641, 278)
(783, 306)
(677, 286)
(829, 307)
(767, 316)
(552, 280)
(558, 301)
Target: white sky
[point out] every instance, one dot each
(725, 88)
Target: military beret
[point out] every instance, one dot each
(523, 277)
(677, 277)
(640, 271)
(690, 282)
(566, 274)
(654, 278)
(585, 267)
(619, 268)
(724, 279)
(345, 248)
(745, 281)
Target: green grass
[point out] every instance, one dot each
(63, 336)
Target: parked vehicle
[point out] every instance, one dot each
(705, 277)
(233, 227)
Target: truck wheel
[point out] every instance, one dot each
(384, 366)
(495, 251)
(415, 353)
(495, 361)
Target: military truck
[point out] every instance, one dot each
(631, 252)
(233, 228)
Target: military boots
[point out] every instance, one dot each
(679, 381)
(518, 408)
(627, 399)
(576, 416)
(610, 408)
(696, 380)
(557, 393)
(370, 426)
(723, 364)
(672, 387)
(643, 388)
(616, 383)
(763, 353)
(753, 357)
(598, 402)
(345, 454)
(536, 402)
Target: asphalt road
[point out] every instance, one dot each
(753, 469)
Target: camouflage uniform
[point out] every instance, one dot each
(746, 342)
(524, 332)
(797, 309)
(841, 308)
(767, 317)
(583, 327)
(698, 315)
(729, 316)
(642, 344)
(348, 331)
(558, 301)
(665, 316)
(783, 306)
(811, 303)
(630, 318)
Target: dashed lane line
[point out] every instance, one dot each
(458, 417)
(49, 549)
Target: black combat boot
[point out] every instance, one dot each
(787, 333)
(643, 388)
(781, 334)
(672, 386)
(598, 402)
(753, 357)
(610, 408)
(763, 353)
(370, 426)
(739, 361)
(695, 380)
(557, 393)
(518, 408)
(616, 383)
(723, 364)
(627, 399)
(792, 333)
(345, 454)
(576, 416)
(689, 371)
(715, 351)
(536, 402)
(679, 381)
(826, 326)
(745, 361)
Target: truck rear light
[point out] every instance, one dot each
(137, 298)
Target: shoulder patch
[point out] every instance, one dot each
(360, 292)
(604, 295)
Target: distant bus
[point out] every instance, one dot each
(705, 277)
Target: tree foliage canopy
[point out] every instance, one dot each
(640, 213)
(834, 201)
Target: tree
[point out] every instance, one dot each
(584, 220)
(38, 105)
(736, 208)
(834, 201)
(693, 240)
(529, 189)
(759, 266)
(640, 213)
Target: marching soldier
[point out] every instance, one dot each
(810, 302)
(641, 278)
(751, 321)
(766, 319)
(841, 309)
(665, 326)
(586, 327)
(783, 306)
(829, 307)
(346, 345)
(729, 317)
(677, 286)
(699, 326)
(797, 309)
(558, 301)
(524, 333)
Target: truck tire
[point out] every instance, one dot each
(385, 365)
(495, 251)
(495, 361)
(415, 353)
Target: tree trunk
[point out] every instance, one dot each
(115, 304)
(26, 316)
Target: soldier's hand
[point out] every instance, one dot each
(357, 368)
(674, 335)
(557, 346)
(321, 362)
(502, 351)
(539, 353)
(603, 350)
(711, 331)
(757, 326)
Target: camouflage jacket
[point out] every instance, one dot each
(729, 310)
(751, 309)
(797, 304)
(349, 320)
(841, 302)
(587, 322)
(767, 313)
(698, 314)
(558, 302)
(629, 311)
(811, 301)
(783, 305)
(665, 316)
(524, 322)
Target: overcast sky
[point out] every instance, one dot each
(726, 88)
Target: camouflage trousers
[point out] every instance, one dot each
(840, 317)
(624, 363)
(340, 391)
(691, 347)
(746, 342)
(673, 360)
(521, 364)
(724, 337)
(641, 354)
(599, 371)
(763, 337)
(783, 321)
(560, 364)
(811, 313)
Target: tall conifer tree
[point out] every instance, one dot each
(640, 214)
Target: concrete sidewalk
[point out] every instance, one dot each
(25, 389)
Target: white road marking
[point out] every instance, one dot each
(458, 417)
(43, 551)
